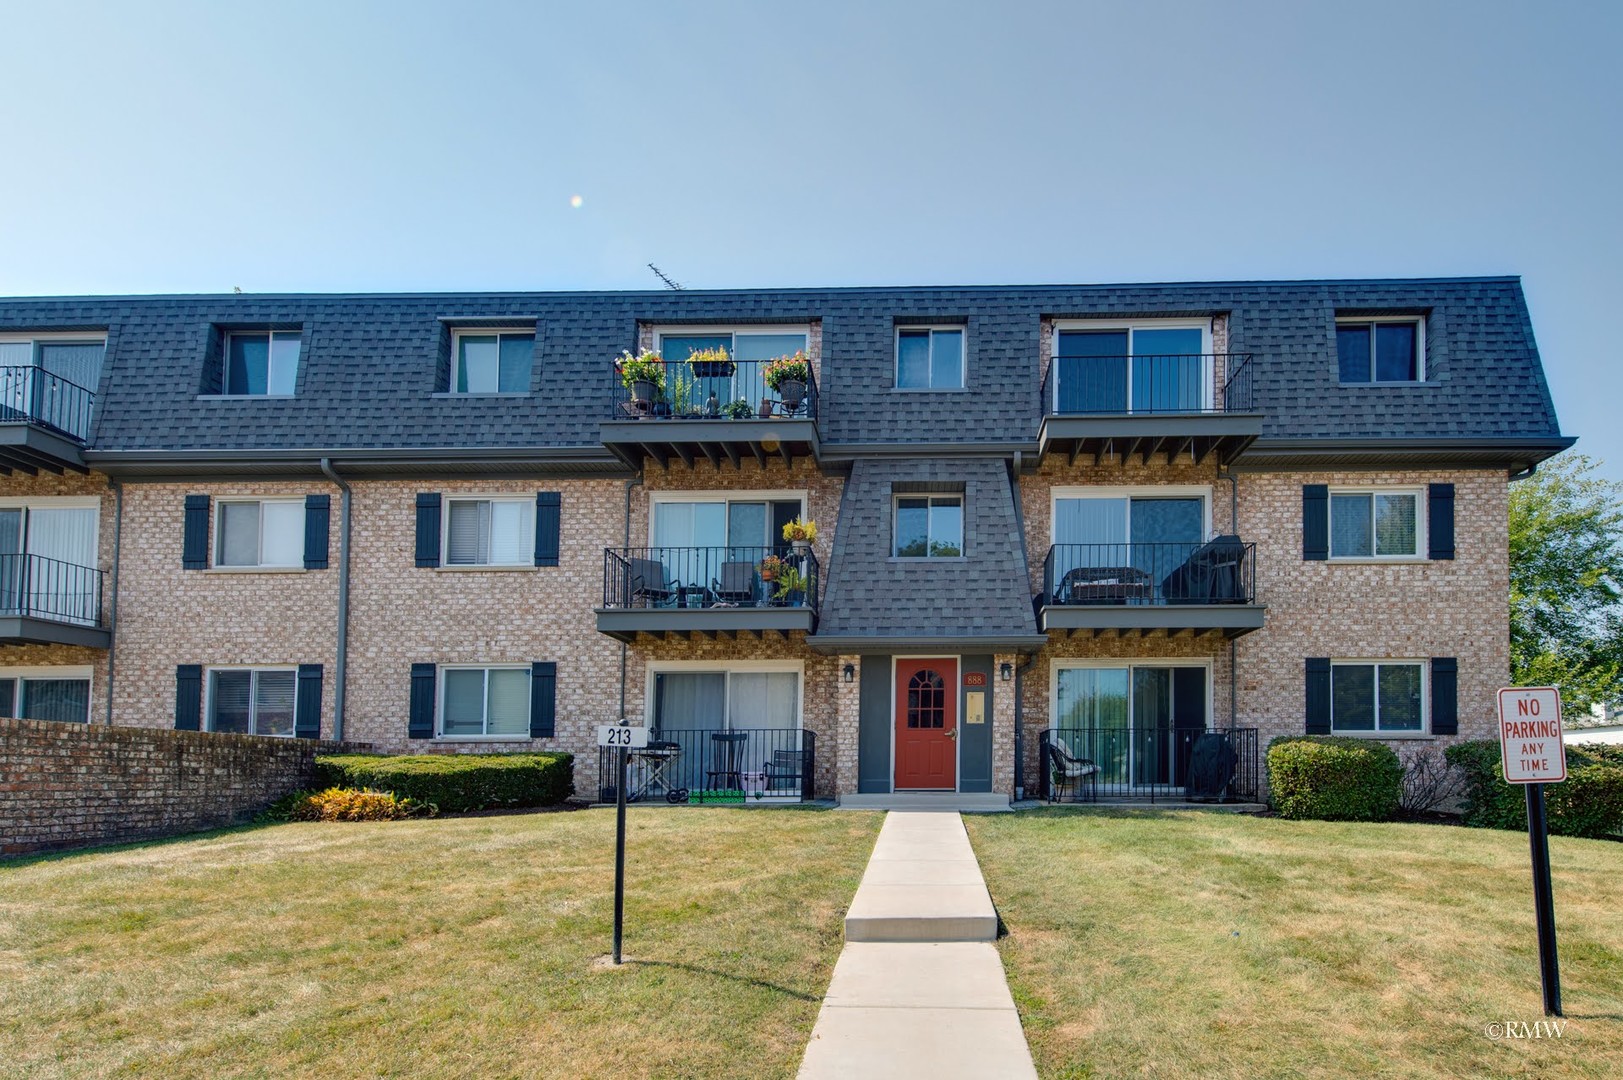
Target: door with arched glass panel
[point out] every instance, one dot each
(927, 724)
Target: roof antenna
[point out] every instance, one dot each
(669, 284)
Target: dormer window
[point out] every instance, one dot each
(263, 363)
(493, 361)
(1384, 349)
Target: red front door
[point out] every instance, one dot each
(927, 724)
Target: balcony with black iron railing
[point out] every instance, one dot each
(715, 765)
(1121, 407)
(50, 602)
(723, 412)
(709, 590)
(44, 420)
(1147, 588)
(1149, 762)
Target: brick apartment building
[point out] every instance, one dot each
(1151, 526)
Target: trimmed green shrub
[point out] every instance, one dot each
(1588, 803)
(1330, 778)
(456, 782)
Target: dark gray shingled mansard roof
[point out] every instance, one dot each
(371, 363)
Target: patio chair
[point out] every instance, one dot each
(647, 583)
(726, 759)
(736, 584)
(787, 767)
(1069, 771)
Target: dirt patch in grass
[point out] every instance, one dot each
(1218, 945)
(456, 947)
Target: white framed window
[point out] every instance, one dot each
(492, 361)
(1381, 349)
(930, 358)
(1374, 697)
(1132, 366)
(252, 701)
(928, 526)
(46, 693)
(1376, 523)
(262, 363)
(481, 702)
(259, 533)
(489, 532)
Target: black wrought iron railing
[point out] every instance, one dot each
(716, 765)
(34, 586)
(710, 577)
(1085, 764)
(33, 395)
(730, 390)
(1116, 385)
(1220, 571)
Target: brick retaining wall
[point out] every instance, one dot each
(73, 785)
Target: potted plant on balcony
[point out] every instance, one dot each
(801, 532)
(787, 376)
(643, 376)
(792, 585)
(711, 364)
(737, 410)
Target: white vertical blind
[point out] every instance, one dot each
(282, 529)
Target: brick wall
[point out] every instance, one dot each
(72, 785)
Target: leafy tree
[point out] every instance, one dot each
(1566, 582)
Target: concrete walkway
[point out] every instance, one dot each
(919, 989)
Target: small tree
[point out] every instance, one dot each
(1566, 582)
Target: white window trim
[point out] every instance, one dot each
(208, 694)
(1419, 322)
(42, 671)
(896, 359)
(963, 519)
(1129, 491)
(726, 496)
(439, 702)
(261, 567)
(1423, 732)
(1208, 375)
(663, 331)
(460, 332)
(445, 532)
(1421, 538)
(1101, 663)
(225, 363)
(729, 668)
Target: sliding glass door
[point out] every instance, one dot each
(1131, 369)
(697, 540)
(48, 560)
(725, 723)
(1137, 722)
(1133, 542)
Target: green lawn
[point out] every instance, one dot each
(1211, 945)
(450, 948)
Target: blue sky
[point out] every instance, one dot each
(162, 147)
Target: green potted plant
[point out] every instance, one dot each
(642, 375)
(792, 585)
(787, 376)
(737, 410)
(711, 364)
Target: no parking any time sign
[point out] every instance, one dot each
(1530, 741)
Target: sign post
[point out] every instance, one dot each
(1533, 754)
(623, 738)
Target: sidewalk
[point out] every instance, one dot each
(919, 989)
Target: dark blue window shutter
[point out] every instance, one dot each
(307, 702)
(1315, 521)
(195, 543)
(189, 697)
(1445, 704)
(1440, 521)
(317, 522)
(421, 725)
(1318, 695)
(543, 699)
(548, 517)
(428, 528)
